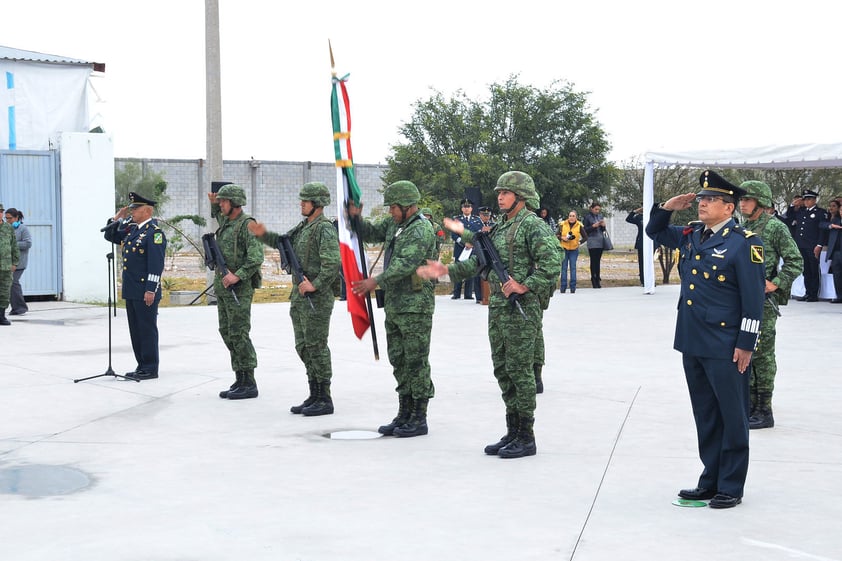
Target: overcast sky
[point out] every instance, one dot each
(662, 75)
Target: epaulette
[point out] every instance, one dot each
(746, 233)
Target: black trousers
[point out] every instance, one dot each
(143, 330)
(811, 272)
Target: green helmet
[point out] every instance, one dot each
(758, 191)
(426, 211)
(533, 203)
(233, 193)
(315, 192)
(402, 193)
(518, 183)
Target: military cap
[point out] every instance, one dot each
(467, 202)
(485, 209)
(714, 184)
(139, 200)
(233, 193)
(809, 193)
(426, 211)
(520, 184)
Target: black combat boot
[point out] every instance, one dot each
(239, 382)
(762, 418)
(404, 406)
(539, 382)
(511, 432)
(309, 401)
(323, 405)
(3, 319)
(247, 390)
(524, 442)
(417, 423)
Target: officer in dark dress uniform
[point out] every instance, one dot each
(144, 248)
(804, 220)
(474, 224)
(719, 313)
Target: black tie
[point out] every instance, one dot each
(706, 235)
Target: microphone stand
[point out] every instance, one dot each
(112, 301)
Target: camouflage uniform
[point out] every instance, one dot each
(409, 304)
(316, 244)
(778, 245)
(9, 255)
(437, 229)
(530, 250)
(243, 255)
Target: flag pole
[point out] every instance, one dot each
(361, 244)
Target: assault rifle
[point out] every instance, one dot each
(215, 261)
(291, 264)
(490, 259)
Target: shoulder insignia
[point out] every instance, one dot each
(757, 254)
(158, 238)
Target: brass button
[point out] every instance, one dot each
(722, 324)
(689, 302)
(692, 287)
(694, 271)
(698, 257)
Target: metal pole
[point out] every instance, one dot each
(213, 111)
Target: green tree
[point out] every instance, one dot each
(455, 143)
(133, 178)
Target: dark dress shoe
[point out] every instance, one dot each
(17, 312)
(812, 299)
(721, 500)
(801, 298)
(697, 494)
(141, 375)
(454, 297)
(836, 301)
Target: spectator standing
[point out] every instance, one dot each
(24, 239)
(571, 235)
(472, 224)
(9, 256)
(805, 220)
(719, 313)
(595, 229)
(783, 264)
(636, 217)
(544, 214)
(833, 246)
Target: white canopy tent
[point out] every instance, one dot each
(797, 156)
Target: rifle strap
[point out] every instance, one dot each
(510, 238)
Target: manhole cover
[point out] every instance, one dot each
(353, 435)
(42, 481)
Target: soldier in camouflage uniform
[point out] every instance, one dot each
(778, 245)
(526, 244)
(243, 255)
(540, 352)
(9, 257)
(316, 244)
(409, 301)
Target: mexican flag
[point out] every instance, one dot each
(354, 262)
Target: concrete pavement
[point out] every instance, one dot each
(165, 470)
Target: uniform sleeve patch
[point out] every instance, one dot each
(757, 254)
(158, 238)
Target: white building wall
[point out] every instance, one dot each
(87, 199)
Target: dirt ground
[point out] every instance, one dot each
(186, 271)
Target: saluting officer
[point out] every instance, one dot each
(804, 219)
(719, 314)
(471, 223)
(144, 250)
